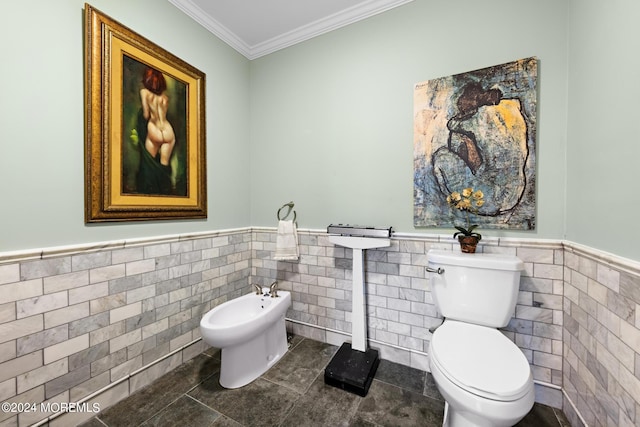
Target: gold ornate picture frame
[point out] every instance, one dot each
(145, 154)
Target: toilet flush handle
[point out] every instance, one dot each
(435, 270)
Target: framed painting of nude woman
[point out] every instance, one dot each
(145, 128)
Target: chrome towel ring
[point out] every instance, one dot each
(289, 207)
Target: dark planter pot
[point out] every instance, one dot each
(468, 244)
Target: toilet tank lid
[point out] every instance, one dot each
(477, 260)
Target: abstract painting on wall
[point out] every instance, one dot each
(477, 130)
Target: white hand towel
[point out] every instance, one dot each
(287, 241)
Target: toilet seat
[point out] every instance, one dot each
(481, 360)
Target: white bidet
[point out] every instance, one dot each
(250, 332)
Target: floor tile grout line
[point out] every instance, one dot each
(164, 408)
(300, 395)
(100, 421)
(290, 410)
(214, 410)
(280, 384)
(183, 393)
(186, 393)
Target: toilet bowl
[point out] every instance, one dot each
(250, 333)
(484, 378)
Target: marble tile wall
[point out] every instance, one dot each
(601, 366)
(401, 311)
(75, 323)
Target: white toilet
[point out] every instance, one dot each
(483, 376)
(250, 332)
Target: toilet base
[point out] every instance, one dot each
(352, 370)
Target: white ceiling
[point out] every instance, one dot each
(259, 27)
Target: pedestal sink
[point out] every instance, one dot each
(353, 366)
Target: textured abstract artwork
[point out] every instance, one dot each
(478, 130)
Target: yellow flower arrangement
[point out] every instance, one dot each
(469, 201)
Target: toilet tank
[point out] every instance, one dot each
(475, 288)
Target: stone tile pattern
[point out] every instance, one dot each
(71, 325)
(601, 366)
(401, 310)
(291, 393)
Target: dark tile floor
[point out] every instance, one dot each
(292, 393)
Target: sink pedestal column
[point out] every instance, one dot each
(354, 366)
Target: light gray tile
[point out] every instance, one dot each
(120, 256)
(65, 382)
(102, 274)
(106, 363)
(108, 302)
(20, 365)
(139, 267)
(630, 287)
(180, 247)
(552, 302)
(121, 284)
(536, 255)
(534, 313)
(124, 312)
(621, 306)
(91, 260)
(42, 339)
(155, 328)
(7, 351)
(20, 290)
(7, 312)
(139, 321)
(608, 277)
(86, 293)
(66, 314)
(45, 267)
(399, 304)
(125, 340)
(7, 389)
(154, 251)
(9, 273)
(88, 356)
(20, 328)
(106, 333)
(41, 375)
(65, 348)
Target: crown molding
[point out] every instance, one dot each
(332, 22)
(343, 18)
(213, 26)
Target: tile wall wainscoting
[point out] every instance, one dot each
(93, 324)
(96, 324)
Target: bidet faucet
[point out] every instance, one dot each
(258, 289)
(273, 290)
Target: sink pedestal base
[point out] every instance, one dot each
(352, 370)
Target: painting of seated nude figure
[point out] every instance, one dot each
(477, 130)
(154, 132)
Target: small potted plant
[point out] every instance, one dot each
(468, 201)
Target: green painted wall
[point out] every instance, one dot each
(332, 118)
(603, 206)
(42, 132)
(328, 123)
